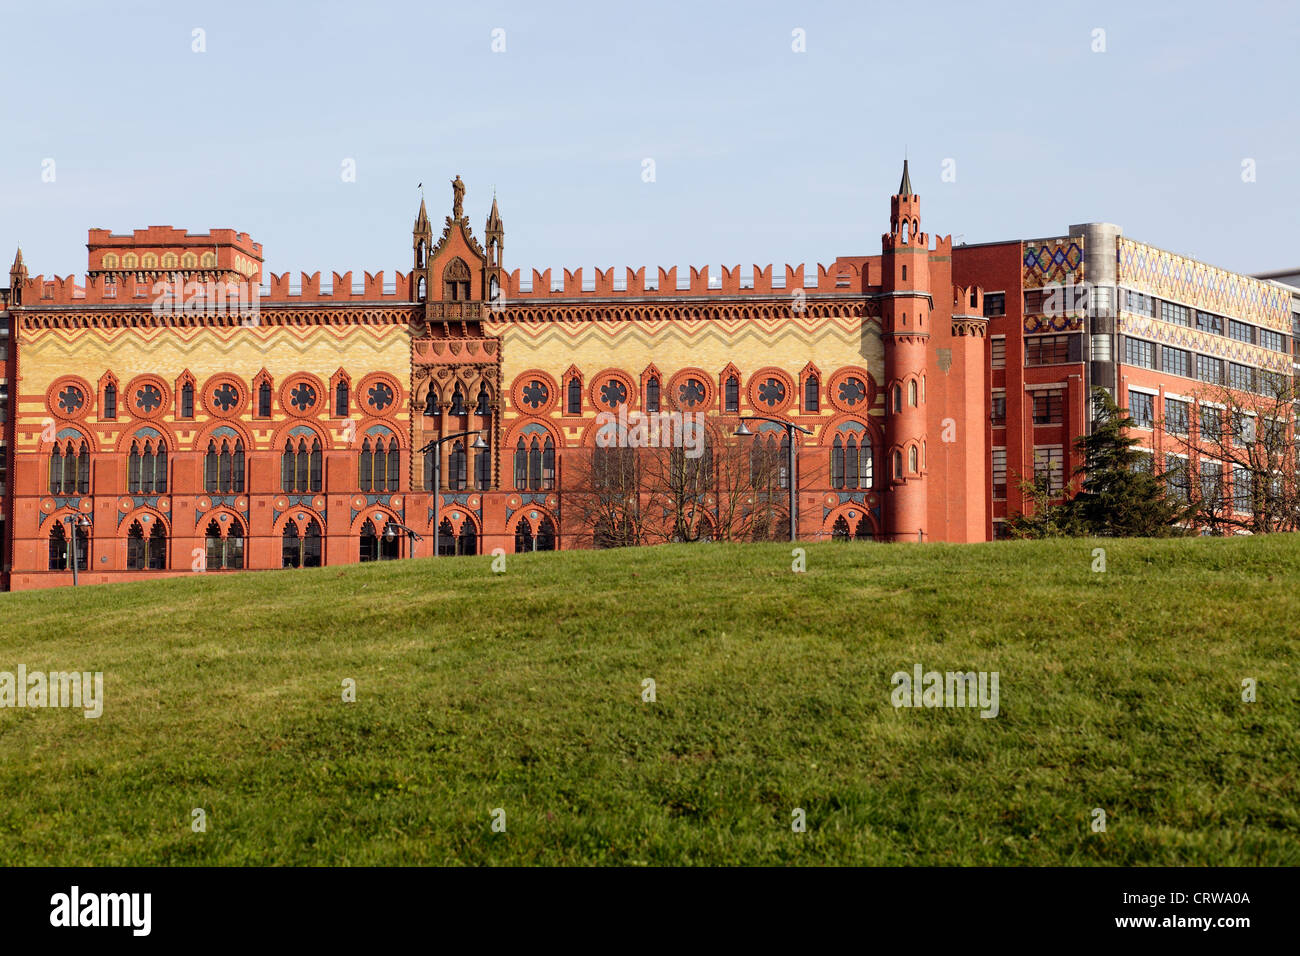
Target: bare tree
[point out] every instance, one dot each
(602, 501)
(1237, 455)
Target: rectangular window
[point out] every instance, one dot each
(1138, 303)
(1047, 349)
(1049, 406)
(1211, 483)
(1209, 369)
(995, 304)
(1176, 361)
(1177, 314)
(1275, 341)
(999, 416)
(1177, 477)
(1241, 490)
(4, 408)
(1208, 322)
(1241, 331)
(1141, 407)
(999, 351)
(1211, 423)
(1140, 353)
(1176, 416)
(999, 472)
(1049, 464)
(1241, 377)
(4, 475)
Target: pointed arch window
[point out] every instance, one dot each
(521, 465)
(483, 405)
(60, 555)
(223, 467)
(840, 530)
(897, 395)
(467, 540)
(224, 543)
(898, 464)
(431, 403)
(911, 393)
(457, 402)
(811, 394)
(573, 401)
(110, 400)
(264, 399)
(911, 459)
(146, 468)
(380, 462)
(341, 399)
(483, 469)
(300, 466)
(458, 466)
(187, 400)
(652, 395)
(535, 465)
(70, 468)
(301, 550)
(837, 464)
(731, 392)
(455, 281)
(376, 546)
(527, 540)
(146, 552)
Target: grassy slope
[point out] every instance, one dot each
(522, 691)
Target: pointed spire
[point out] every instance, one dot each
(905, 187)
(422, 218)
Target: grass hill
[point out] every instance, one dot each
(1119, 690)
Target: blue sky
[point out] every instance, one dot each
(761, 154)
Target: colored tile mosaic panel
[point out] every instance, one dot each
(1201, 286)
(1055, 262)
(1207, 343)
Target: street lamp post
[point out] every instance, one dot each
(390, 532)
(478, 445)
(790, 428)
(79, 521)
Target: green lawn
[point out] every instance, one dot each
(523, 691)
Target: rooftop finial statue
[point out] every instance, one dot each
(457, 197)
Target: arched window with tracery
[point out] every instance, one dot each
(379, 545)
(840, 530)
(60, 554)
(457, 401)
(483, 405)
(69, 468)
(652, 395)
(341, 399)
(223, 466)
(731, 392)
(146, 467)
(811, 394)
(379, 464)
(455, 281)
(146, 552)
(301, 550)
(483, 469)
(457, 466)
(300, 465)
(573, 402)
(527, 540)
(431, 403)
(224, 542)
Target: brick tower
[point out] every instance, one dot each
(906, 305)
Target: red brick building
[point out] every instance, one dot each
(179, 412)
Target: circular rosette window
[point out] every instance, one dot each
(302, 395)
(690, 391)
(225, 397)
(69, 397)
(770, 390)
(851, 390)
(147, 397)
(609, 391)
(379, 395)
(533, 393)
